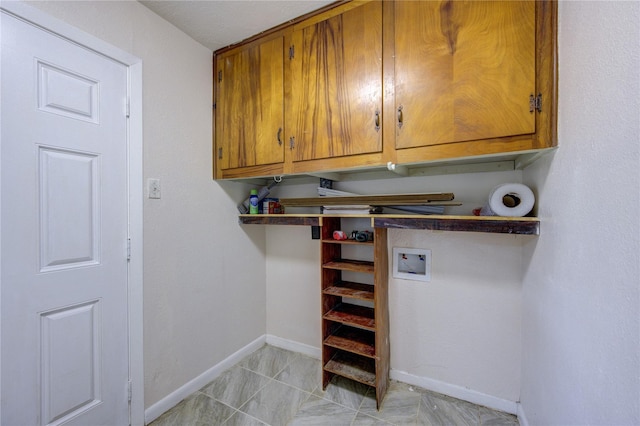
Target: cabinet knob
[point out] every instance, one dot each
(400, 117)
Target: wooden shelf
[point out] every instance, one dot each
(489, 224)
(351, 289)
(353, 367)
(353, 315)
(486, 224)
(279, 219)
(373, 200)
(350, 265)
(355, 341)
(349, 242)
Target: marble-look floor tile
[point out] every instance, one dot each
(302, 372)
(344, 392)
(234, 387)
(317, 411)
(275, 404)
(436, 409)
(276, 387)
(489, 417)
(267, 360)
(242, 419)
(365, 420)
(399, 406)
(198, 409)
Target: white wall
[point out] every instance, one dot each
(581, 305)
(461, 331)
(204, 285)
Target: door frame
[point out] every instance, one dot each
(60, 28)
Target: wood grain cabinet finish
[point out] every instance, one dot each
(250, 106)
(334, 103)
(464, 70)
(363, 83)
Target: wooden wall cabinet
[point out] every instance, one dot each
(463, 71)
(355, 338)
(334, 96)
(472, 78)
(249, 108)
(365, 83)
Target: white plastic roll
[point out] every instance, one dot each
(509, 199)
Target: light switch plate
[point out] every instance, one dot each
(153, 188)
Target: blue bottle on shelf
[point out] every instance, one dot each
(253, 202)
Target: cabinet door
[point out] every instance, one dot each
(464, 70)
(250, 106)
(336, 85)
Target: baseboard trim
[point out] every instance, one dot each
(522, 418)
(290, 345)
(169, 401)
(455, 391)
(166, 403)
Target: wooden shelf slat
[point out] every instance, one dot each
(502, 225)
(372, 200)
(351, 289)
(279, 219)
(487, 224)
(350, 265)
(353, 367)
(349, 242)
(351, 340)
(353, 315)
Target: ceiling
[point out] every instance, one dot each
(219, 23)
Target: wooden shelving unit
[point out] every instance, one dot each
(355, 338)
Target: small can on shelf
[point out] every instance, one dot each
(272, 206)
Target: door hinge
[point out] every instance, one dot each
(219, 76)
(219, 153)
(292, 51)
(128, 249)
(129, 392)
(127, 108)
(535, 103)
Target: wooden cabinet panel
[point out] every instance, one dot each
(250, 106)
(463, 70)
(336, 85)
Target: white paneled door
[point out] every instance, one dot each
(64, 330)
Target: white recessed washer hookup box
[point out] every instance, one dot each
(412, 264)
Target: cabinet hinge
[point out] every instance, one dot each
(292, 142)
(219, 76)
(219, 153)
(214, 105)
(535, 103)
(292, 52)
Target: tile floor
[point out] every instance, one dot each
(277, 387)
